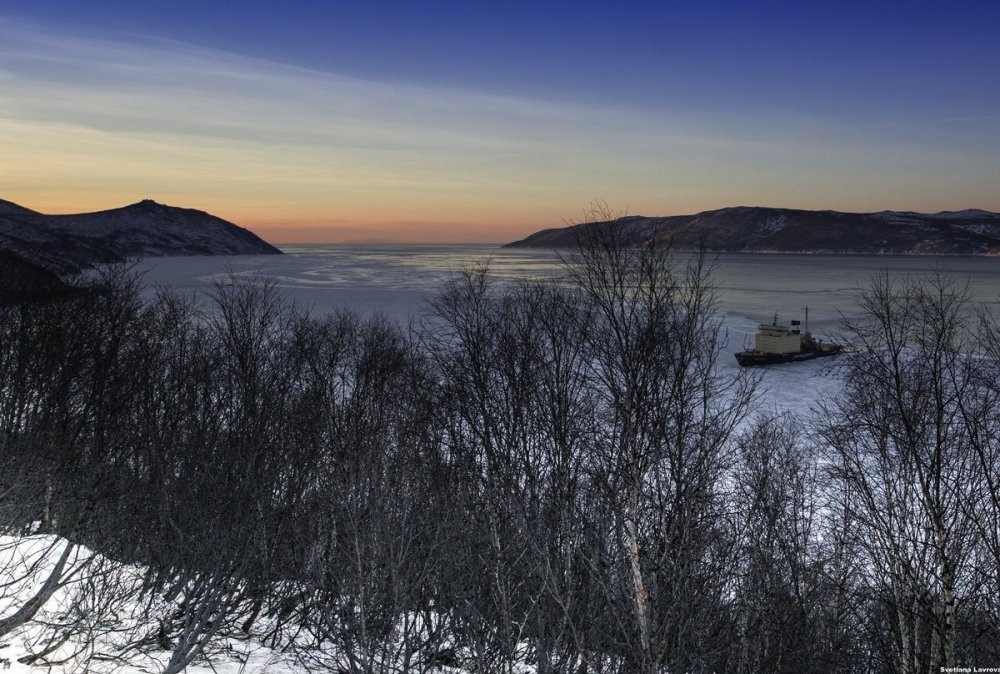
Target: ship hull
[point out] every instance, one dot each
(755, 358)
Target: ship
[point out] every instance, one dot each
(776, 343)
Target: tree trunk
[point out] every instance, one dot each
(640, 595)
(33, 605)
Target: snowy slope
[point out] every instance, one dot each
(102, 632)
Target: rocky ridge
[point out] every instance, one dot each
(783, 230)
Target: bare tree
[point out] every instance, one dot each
(666, 420)
(792, 599)
(901, 450)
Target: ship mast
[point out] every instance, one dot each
(807, 320)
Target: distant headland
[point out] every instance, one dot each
(37, 249)
(783, 230)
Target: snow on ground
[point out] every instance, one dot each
(98, 642)
(25, 563)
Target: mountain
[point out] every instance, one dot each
(784, 230)
(66, 244)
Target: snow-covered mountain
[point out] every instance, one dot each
(783, 230)
(68, 243)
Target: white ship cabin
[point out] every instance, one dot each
(774, 338)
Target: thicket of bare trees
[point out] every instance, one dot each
(553, 473)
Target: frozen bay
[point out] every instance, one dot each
(397, 280)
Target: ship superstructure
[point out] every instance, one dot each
(775, 343)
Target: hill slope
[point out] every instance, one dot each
(24, 281)
(69, 243)
(783, 230)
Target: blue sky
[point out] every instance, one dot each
(472, 121)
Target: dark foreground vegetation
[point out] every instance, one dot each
(550, 474)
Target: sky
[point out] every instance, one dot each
(330, 121)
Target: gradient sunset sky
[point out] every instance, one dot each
(474, 122)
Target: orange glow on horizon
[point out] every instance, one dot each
(281, 223)
(411, 232)
(289, 226)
